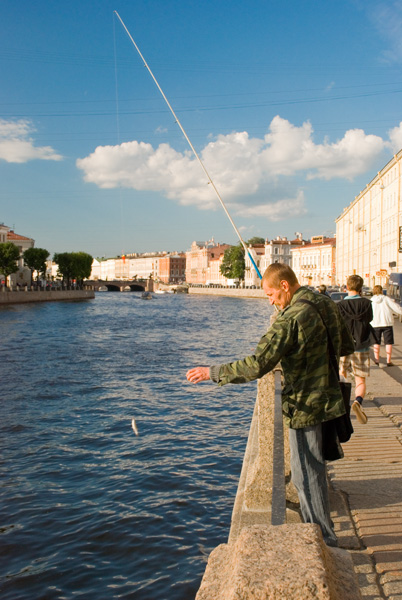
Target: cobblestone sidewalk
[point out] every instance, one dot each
(366, 499)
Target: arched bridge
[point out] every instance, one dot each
(120, 285)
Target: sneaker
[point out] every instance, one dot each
(377, 362)
(390, 364)
(359, 412)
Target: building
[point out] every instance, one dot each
(122, 267)
(23, 275)
(314, 262)
(276, 250)
(172, 268)
(103, 269)
(144, 266)
(3, 233)
(214, 275)
(198, 260)
(369, 230)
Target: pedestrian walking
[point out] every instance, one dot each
(384, 310)
(358, 314)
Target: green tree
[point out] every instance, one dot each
(73, 265)
(9, 255)
(35, 259)
(233, 263)
(64, 265)
(83, 264)
(255, 240)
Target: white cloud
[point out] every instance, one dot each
(16, 145)
(244, 169)
(395, 136)
(274, 211)
(291, 149)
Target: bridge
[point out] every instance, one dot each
(121, 285)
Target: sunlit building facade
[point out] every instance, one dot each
(276, 250)
(314, 262)
(198, 260)
(172, 268)
(369, 230)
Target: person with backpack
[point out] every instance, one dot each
(358, 314)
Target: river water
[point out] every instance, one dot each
(89, 509)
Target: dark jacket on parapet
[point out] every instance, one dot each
(357, 313)
(298, 338)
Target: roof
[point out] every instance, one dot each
(326, 242)
(14, 236)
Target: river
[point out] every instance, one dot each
(89, 509)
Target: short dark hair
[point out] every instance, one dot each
(277, 272)
(322, 288)
(354, 283)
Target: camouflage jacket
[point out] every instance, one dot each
(298, 338)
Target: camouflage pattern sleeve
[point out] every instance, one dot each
(278, 340)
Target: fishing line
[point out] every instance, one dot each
(192, 148)
(122, 223)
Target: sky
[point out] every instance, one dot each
(293, 107)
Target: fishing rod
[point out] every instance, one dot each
(192, 148)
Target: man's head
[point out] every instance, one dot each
(279, 283)
(354, 283)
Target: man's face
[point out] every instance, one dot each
(281, 296)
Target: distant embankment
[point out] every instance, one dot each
(22, 297)
(234, 292)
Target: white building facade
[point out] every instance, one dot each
(3, 233)
(23, 276)
(314, 262)
(277, 250)
(369, 230)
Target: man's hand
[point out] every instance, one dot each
(198, 374)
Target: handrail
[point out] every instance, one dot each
(278, 506)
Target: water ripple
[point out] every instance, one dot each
(88, 508)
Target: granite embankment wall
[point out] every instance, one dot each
(23, 297)
(262, 561)
(233, 292)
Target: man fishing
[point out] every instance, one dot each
(311, 394)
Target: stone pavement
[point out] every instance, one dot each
(366, 496)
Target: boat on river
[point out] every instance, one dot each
(146, 296)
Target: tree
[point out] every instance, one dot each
(233, 263)
(255, 240)
(83, 263)
(35, 259)
(64, 264)
(73, 265)
(9, 255)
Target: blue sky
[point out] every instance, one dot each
(293, 107)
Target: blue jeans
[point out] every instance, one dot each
(309, 475)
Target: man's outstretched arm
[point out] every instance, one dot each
(198, 374)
